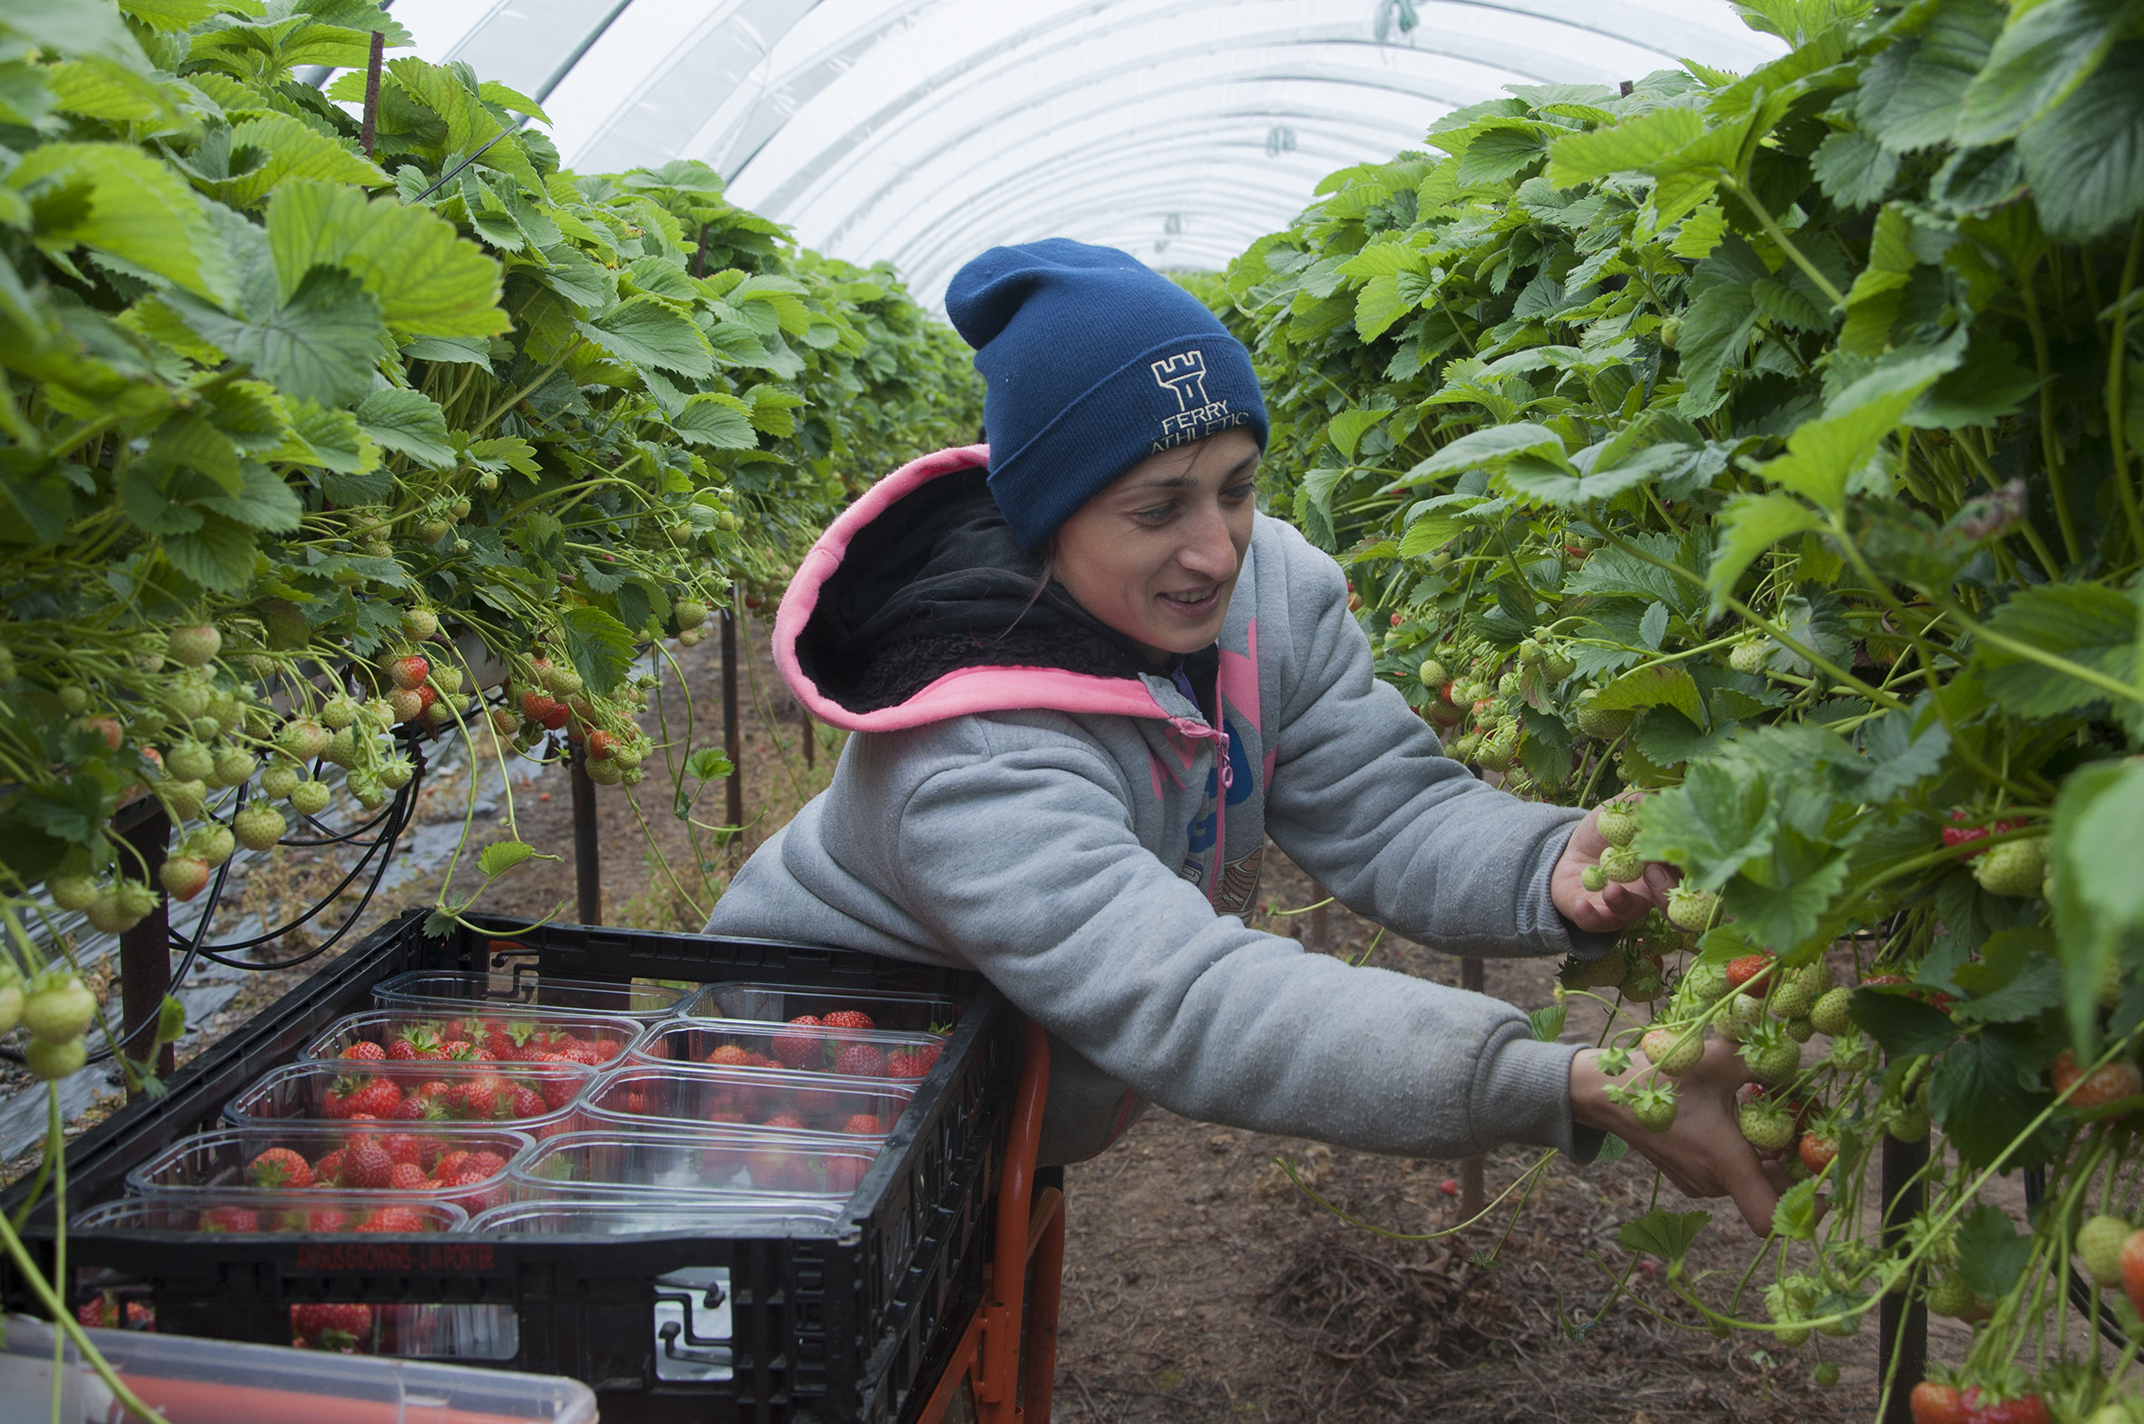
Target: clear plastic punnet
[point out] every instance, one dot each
(779, 1003)
(659, 1097)
(192, 1381)
(805, 1048)
(541, 1099)
(746, 1165)
(446, 991)
(508, 1034)
(250, 1213)
(639, 1216)
(464, 1165)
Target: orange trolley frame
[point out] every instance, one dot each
(1030, 1234)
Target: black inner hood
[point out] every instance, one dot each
(937, 583)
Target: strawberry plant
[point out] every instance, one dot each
(309, 448)
(1764, 449)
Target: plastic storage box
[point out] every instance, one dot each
(901, 1058)
(505, 1035)
(448, 991)
(252, 1213)
(536, 1098)
(193, 1381)
(779, 1003)
(224, 1160)
(776, 1321)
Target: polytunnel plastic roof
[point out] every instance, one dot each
(923, 131)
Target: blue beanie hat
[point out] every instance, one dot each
(1094, 361)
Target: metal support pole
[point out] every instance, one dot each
(145, 950)
(732, 736)
(372, 93)
(1471, 1194)
(1903, 1321)
(811, 738)
(1321, 919)
(587, 850)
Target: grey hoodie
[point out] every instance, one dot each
(1089, 843)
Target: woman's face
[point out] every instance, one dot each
(1155, 556)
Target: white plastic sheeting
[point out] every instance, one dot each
(923, 131)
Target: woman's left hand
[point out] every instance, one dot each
(1614, 905)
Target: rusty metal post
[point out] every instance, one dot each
(732, 734)
(145, 950)
(587, 848)
(372, 93)
(811, 738)
(1902, 1333)
(1471, 1195)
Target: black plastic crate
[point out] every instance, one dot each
(841, 1324)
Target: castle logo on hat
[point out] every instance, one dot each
(1196, 417)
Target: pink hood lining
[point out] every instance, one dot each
(962, 691)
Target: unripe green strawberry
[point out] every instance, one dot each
(1432, 673)
(310, 797)
(1791, 1001)
(1773, 1057)
(395, 772)
(689, 612)
(190, 761)
(185, 799)
(206, 728)
(560, 680)
(1672, 1048)
(365, 787)
(1747, 656)
(229, 713)
(1594, 879)
(279, 780)
(235, 767)
(420, 623)
(1791, 1337)
(605, 773)
(195, 646)
(1643, 983)
(434, 527)
(260, 826)
(74, 698)
(104, 913)
(1654, 1107)
(1826, 1373)
(1767, 1126)
(338, 712)
(1703, 984)
(1605, 723)
(49, 1062)
(57, 1005)
(213, 843)
(1558, 665)
(1741, 1019)
(1496, 752)
(460, 509)
(1622, 865)
(1800, 1030)
(1617, 826)
(1910, 1124)
(447, 679)
(10, 1000)
(1948, 1294)
(1830, 1012)
(2013, 868)
(1690, 908)
(1814, 976)
(2099, 1248)
(439, 714)
(71, 892)
(1852, 1052)
(340, 749)
(1529, 652)
(303, 739)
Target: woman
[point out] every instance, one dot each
(1089, 682)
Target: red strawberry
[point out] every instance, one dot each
(416, 1109)
(340, 1092)
(785, 1122)
(529, 1103)
(408, 1177)
(485, 1164)
(579, 1053)
(1741, 971)
(500, 1048)
(797, 1048)
(393, 1218)
(848, 1018)
(327, 1172)
(909, 1063)
(365, 1163)
(431, 1088)
(339, 1325)
(1817, 1151)
(863, 1124)
(2103, 1085)
(364, 1051)
(605, 1049)
(478, 1098)
(377, 1098)
(845, 1174)
(279, 1167)
(459, 1050)
(729, 1055)
(860, 1060)
(327, 1221)
(230, 1218)
(601, 745)
(450, 1162)
(403, 1147)
(409, 671)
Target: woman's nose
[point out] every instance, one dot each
(1209, 551)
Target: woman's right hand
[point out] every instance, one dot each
(1703, 1152)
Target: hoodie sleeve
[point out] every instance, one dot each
(1022, 854)
(1364, 798)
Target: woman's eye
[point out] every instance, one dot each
(1236, 494)
(1157, 515)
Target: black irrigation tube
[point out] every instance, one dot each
(2083, 1293)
